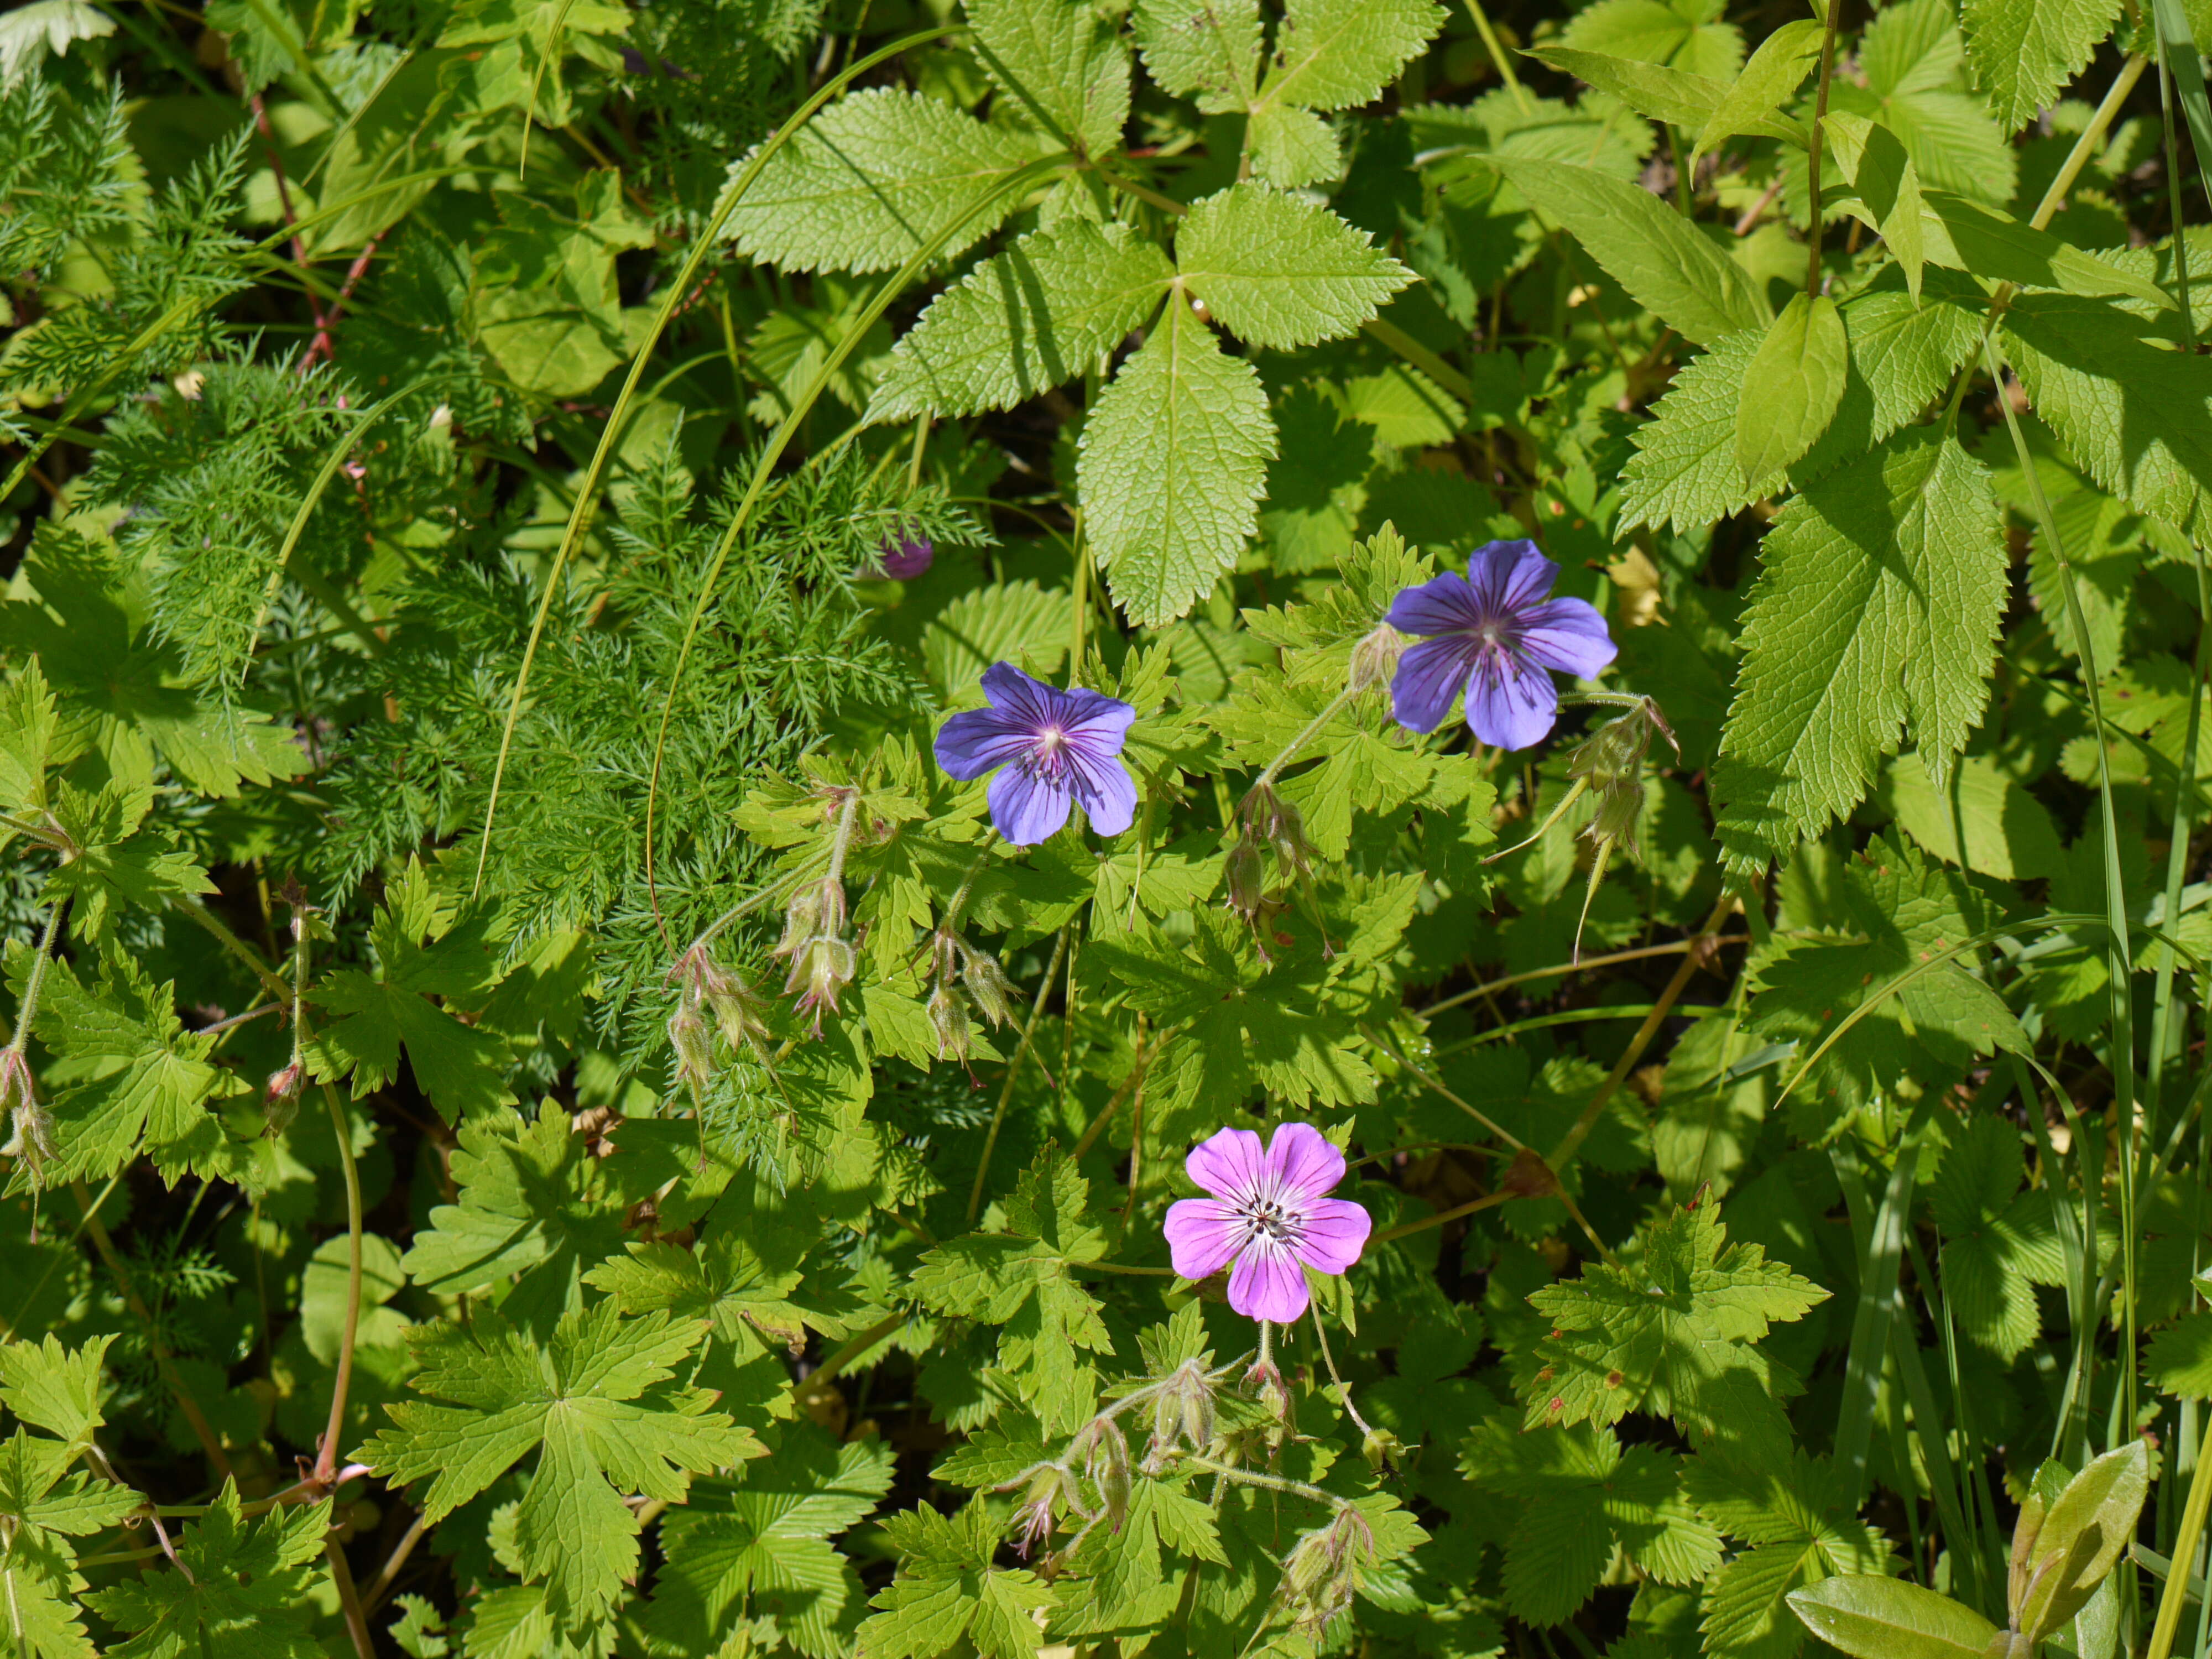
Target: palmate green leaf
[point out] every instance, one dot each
(947, 1590)
(757, 1549)
(30, 740)
(54, 1388)
(1206, 50)
(1876, 614)
(422, 950)
(1667, 264)
(1999, 1243)
(1042, 312)
(872, 178)
(1061, 62)
(1169, 467)
(249, 1588)
(1282, 272)
(1333, 54)
(1672, 1334)
(2179, 1359)
(2137, 415)
(1874, 1617)
(1020, 1281)
(533, 1200)
(119, 866)
(598, 1405)
(1796, 1513)
(1790, 394)
(1577, 1498)
(42, 1505)
(149, 1082)
(2023, 52)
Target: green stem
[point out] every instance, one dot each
(1813, 164)
(1013, 1072)
(28, 1009)
(326, 1458)
(1498, 56)
(2184, 1558)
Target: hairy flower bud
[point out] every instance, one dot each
(987, 981)
(280, 1101)
(820, 969)
(1382, 1449)
(1051, 1487)
(1323, 1572)
(1106, 1461)
(1374, 659)
(1183, 1413)
(31, 1136)
(815, 909)
(1265, 1384)
(1610, 762)
(1242, 874)
(948, 1022)
(695, 1054)
(740, 1011)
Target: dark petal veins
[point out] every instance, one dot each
(1429, 678)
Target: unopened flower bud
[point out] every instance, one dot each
(31, 1136)
(815, 909)
(695, 1054)
(1242, 874)
(820, 969)
(1182, 1413)
(1265, 1384)
(280, 1101)
(1382, 1449)
(948, 1021)
(1051, 1486)
(903, 558)
(1106, 1461)
(1374, 659)
(740, 1011)
(1323, 1570)
(987, 981)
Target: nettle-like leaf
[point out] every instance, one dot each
(1062, 64)
(236, 1583)
(1020, 1280)
(947, 1590)
(874, 177)
(149, 1084)
(422, 950)
(1281, 272)
(757, 1549)
(2023, 52)
(1578, 1496)
(595, 1403)
(1875, 613)
(1333, 54)
(1673, 1334)
(1170, 467)
(118, 866)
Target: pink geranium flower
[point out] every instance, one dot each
(1270, 1214)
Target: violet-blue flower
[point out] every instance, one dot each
(1050, 748)
(1270, 1214)
(1493, 633)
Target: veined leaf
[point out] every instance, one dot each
(1684, 34)
(1208, 49)
(1666, 264)
(1170, 467)
(1872, 1617)
(872, 178)
(1875, 614)
(1968, 236)
(1333, 54)
(2025, 52)
(1678, 97)
(1794, 383)
(1061, 62)
(1768, 82)
(1040, 313)
(1282, 272)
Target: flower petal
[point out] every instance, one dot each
(1104, 787)
(1442, 604)
(1228, 1164)
(1203, 1234)
(1029, 700)
(1304, 1164)
(1429, 679)
(1098, 725)
(1514, 709)
(1332, 1235)
(982, 740)
(1268, 1284)
(1570, 635)
(1509, 576)
(1026, 807)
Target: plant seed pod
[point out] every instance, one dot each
(822, 968)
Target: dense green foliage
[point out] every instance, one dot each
(544, 1120)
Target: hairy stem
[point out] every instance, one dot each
(1013, 1072)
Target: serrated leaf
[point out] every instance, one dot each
(597, 1405)
(1768, 82)
(1876, 615)
(1999, 1243)
(947, 1590)
(1043, 311)
(1792, 388)
(1281, 272)
(2179, 1359)
(1667, 264)
(1293, 147)
(1333, 54)
(1684, 34)
(1208, 49)
(872, 180)
(1968, 236)
(1171, 465)
(1060, 60)
(2025, 52)
(1677, 97)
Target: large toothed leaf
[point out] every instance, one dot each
(1333, 54)
(1875, 616)
(2023, 52)
(1172, 466)
(1061, 62)
(1282, 272)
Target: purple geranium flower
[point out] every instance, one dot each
(1493, 632)
(1270, 1215)
(1049, 747)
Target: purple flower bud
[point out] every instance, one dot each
(904, 556)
